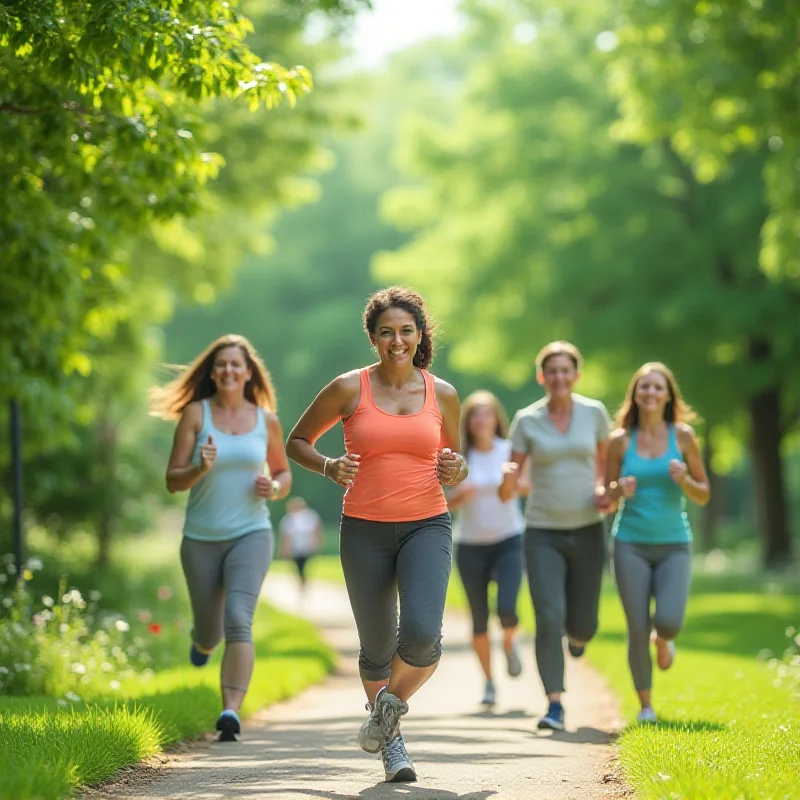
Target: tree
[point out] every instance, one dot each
(716, 80)
(544, 223)
(109, 118)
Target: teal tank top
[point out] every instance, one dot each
(656, 514)
(223, 504)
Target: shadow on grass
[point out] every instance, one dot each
(685, 726)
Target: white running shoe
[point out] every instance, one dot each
(370, 738)
(513, 661)
(489, 696)
(647, 715)
(383, 724)
(396, 763)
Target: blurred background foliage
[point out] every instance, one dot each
(624, 174)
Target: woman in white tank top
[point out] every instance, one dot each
(489, 531)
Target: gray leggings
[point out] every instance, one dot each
(565, 572)
(644, 571)
(224, 580)
(381, 560)
(479, 565)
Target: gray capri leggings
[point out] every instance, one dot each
(224, 581)
(478, 565)
(382, 560)
(643, 571)
(565, 572)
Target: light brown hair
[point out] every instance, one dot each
(482, 398)
(676, 410)
(559, 349)
(194, 382)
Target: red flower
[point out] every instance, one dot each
(154, 627)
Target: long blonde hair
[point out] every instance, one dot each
(482, 398)
(676, 410)
(194, 382)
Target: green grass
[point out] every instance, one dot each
(727, 731)
(47, 751)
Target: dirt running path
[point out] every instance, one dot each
(306, 747)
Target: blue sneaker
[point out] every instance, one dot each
(197, 658)
(553, 720)
(228, 726)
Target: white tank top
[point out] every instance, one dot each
(484, 518)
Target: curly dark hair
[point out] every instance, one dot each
(408, 300)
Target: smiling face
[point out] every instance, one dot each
(229, 370)
(558, 375)
(652, 393)
(396, 337)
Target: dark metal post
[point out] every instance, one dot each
(16, 480)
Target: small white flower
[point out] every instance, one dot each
(63, 627)
(122, 626)
(115, 685)
(48, 601)
(79, 668)
(34, 564)
(61, 702)
(72, 697)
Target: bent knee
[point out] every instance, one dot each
(420, 648)
(508, 617)
(238, 627)
(667, 627)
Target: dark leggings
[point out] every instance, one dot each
(382, 560)
(565, 571)
(478, 565)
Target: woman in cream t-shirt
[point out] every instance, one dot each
(564, 438)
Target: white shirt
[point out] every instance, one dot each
(298, 528)
(484, 518)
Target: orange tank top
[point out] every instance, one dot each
(396, 480)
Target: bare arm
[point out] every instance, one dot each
(451, 467)
(614, 453)
(691, 476)
(337, 400)
(276, 458)
(510, 487)
(182, 474)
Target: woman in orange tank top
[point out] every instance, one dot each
(401, 434)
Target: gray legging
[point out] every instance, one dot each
(644, 571)
(381, 560)
(224, 581)
(565, 572)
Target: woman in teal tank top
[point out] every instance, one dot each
(653, 465)
(227, 431)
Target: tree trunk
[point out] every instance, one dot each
(771, 509)
(714, 511)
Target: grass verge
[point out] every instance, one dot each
(47, 751)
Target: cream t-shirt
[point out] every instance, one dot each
(562, 465)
